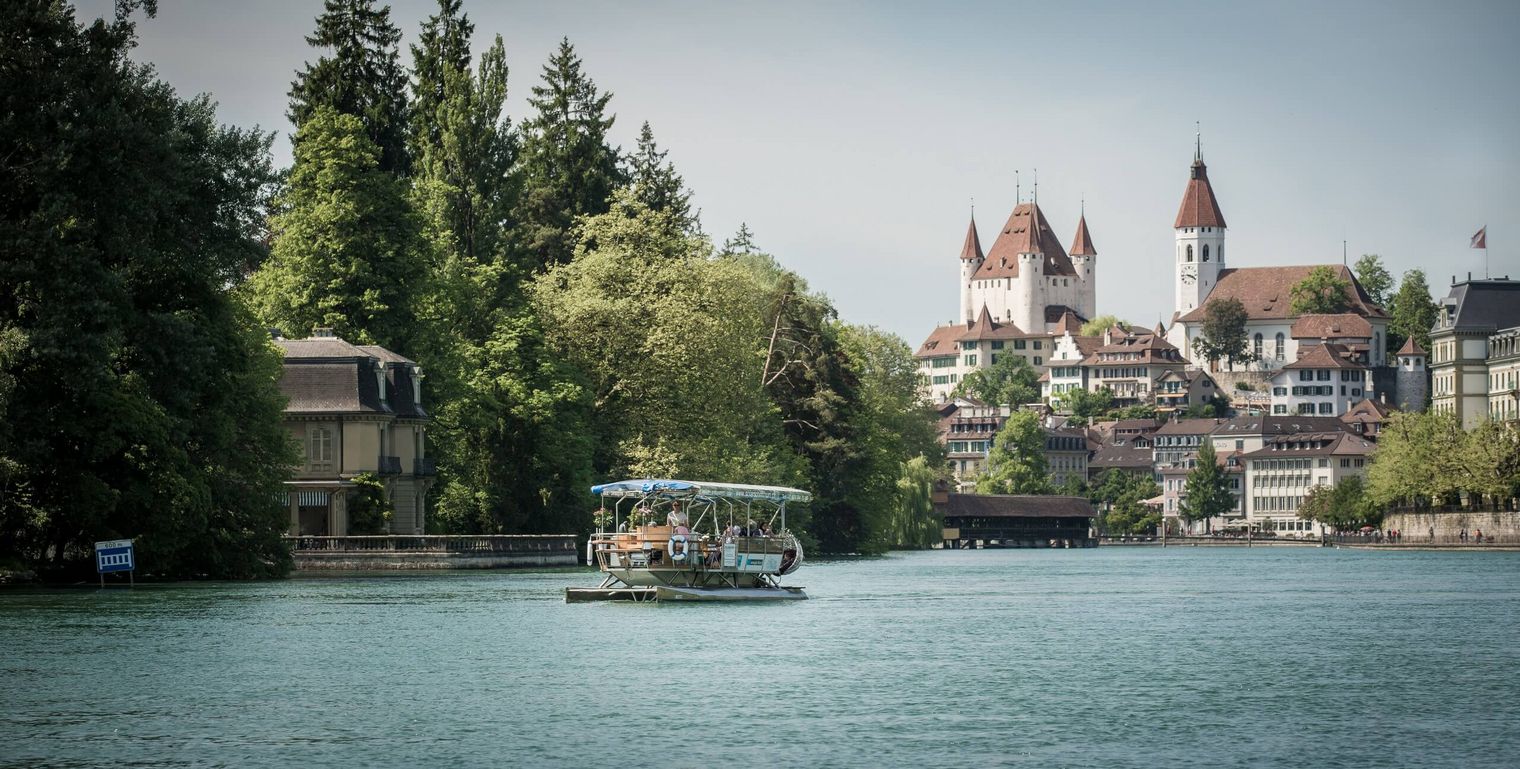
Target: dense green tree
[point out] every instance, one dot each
(1010, 381)
(1343, 507)
(1207, 489)
(139, 399)
(568, 168)
(1017, 464)
(1413, 312)
(656, 183)
(369, 511)
(1424, 457)
(1224, 332)
(347, 250)
(1098, 325)
(1086, 404)
(1120, 495)
(441, 54)
(900, 455)
(1321, 291)
(743, 241)
(361, 77)
(1374, 279)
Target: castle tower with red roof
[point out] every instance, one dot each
(1200, 232)
(1027, 279)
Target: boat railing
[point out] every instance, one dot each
(435, 543)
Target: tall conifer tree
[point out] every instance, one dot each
(568, 168)
(656, 183)
(362, 77)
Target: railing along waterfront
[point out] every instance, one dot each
(1412, 539)
(436, 543)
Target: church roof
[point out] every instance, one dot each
(1346, 325)
(1265, 292)
(1081, 244)
(972, 250)
(1025, 232)
(1411, 347)
(1199, 206)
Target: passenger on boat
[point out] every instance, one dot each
(765, 529)
(677, 519)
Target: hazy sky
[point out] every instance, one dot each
(852, 136)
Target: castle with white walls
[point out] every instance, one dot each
(1028, 280)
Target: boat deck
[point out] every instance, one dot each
(683, 594)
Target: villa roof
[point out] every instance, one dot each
(1199, 206)
(1265, 292)
(1327, 355)
(1189, 427)
(327, 375)
(1025, 232)
(1313, 444)
(1346, 325)
(1278, 424)
(1483, 305)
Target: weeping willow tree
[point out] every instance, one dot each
(912, 523)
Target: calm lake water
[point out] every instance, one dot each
(1112, 657)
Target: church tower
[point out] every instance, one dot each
(971, 261)
(1200, 232)
(1084, 258)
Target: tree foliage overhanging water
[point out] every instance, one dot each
(575, 321)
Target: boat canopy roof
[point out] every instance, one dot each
(647, 486)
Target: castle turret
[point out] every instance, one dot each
(1412, 386)
(971, 261)
(1084, 259)
(1199, 232)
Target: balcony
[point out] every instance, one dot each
(389, 465)
(424, 466)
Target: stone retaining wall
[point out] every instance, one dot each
(1447, 525)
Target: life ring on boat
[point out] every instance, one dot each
(676, 557)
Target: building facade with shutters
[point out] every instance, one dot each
(354, 410)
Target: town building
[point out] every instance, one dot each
(1467, 318)
(953, 351)
(1180, 390)
(1366, 418)
(354, 409)
(1281, 473)
(1325, 381)
(1129, 363)
(1174, 492)
(1065, 370)
(967, 430)
(1202, 276)
(1504, 375)
(1066, 454)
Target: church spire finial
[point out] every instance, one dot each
(1018, 197)
(1036, 199)
(1197, 142)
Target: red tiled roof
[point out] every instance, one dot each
(1411, 347)
(986, 328)
(1199, 206)
(1339, 326)
(973, 247)
(1026, 232)
(1081, 243)
(1056, 313)
(942, 341)
(1153, 349)
(1265, 292)
(1069, 322)
(1328, 355)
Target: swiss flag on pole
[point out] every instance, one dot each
(1480, 238)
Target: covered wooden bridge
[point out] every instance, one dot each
(998, 520)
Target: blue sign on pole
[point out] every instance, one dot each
(114, 555)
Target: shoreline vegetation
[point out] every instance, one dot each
(574, 319)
